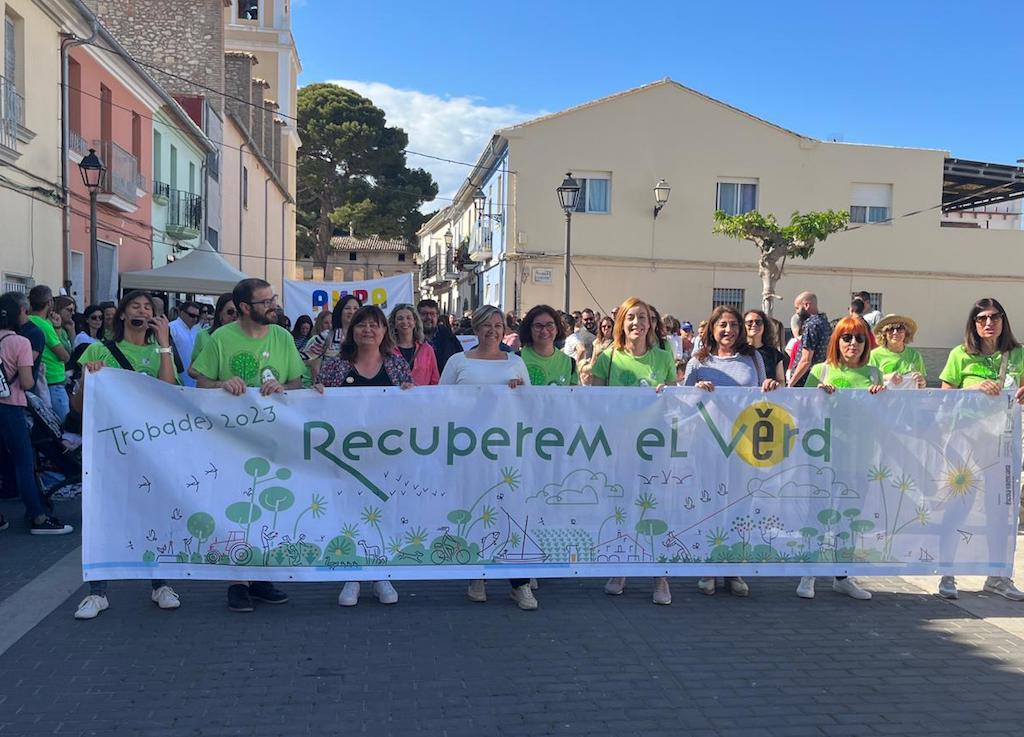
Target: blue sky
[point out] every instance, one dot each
(922, 73)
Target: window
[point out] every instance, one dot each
(157, 156)
(137, 139)
(213, 166)
(106, 114)
(213, 238)
(173, 164)
(876, 300)
(401, 257)
(731, 297)
(595, 193)
(870, 203)
(248, 9)
(352, 256)
(191, 178)
(736, 197)
(245, 187)
(75, 96)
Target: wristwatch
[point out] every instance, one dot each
(164, 350)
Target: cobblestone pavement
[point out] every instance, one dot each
(772, 665)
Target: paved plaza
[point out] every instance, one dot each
(906, 663)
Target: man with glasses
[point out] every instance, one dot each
(254, 351)
(441, 338)
(183, 335)
(814, 336)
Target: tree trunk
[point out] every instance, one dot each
(769, 268)
(324, 231)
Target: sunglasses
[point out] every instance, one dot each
(754, 323)
(851, 337)
(193, 315)
(989, 317)
(231, 311)
(896, 329)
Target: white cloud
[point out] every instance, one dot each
(454, 128)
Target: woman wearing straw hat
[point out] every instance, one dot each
(898, 362)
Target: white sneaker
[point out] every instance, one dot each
(805, 589)
(615, 586)
(349, 595)
(385, 592)
(706, 585)
(947, 588)
(662, 593)
(523, 596)
(534, 585)
(849, 587)
(738, 587)
(165, 598)
(477, 590)
(1004, 587)
(91, 606)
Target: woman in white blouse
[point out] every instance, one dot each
(488, 364)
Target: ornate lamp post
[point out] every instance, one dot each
(568, 196)
(92, 170)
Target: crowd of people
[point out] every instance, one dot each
(49, 348)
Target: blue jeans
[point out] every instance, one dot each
(60, 402)
(14, 436)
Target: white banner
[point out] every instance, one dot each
(312, 297)
(472, 481)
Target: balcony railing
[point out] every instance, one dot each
(12, 113)
(76, 143)
(184, 215)
(438, 268)
(122, 177)
(161, 192)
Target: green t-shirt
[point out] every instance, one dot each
(202, 338)
(229, 353)
(844, 378)
(964, 370)
(890, 362)
(53, 365)
(557, 369)
(143, 358)
(618, 368)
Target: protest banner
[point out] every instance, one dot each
(485, 481)
(313, 297)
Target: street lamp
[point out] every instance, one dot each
(568, 195)
(661, 193)
(479, 200)
(92, 170)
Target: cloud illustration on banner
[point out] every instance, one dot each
(802, 482)
(580, 487)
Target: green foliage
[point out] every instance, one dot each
(257, 467)
(197, 558)
(862, 526)
(352, 169)
(796, 240)
(829, 516)
(651, 527)
(239, 513)
(459, 517)
(276, 499)
(149, 556)
(201, 526)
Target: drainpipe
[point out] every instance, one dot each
(241, 202)
(266, 229)
(68, 42)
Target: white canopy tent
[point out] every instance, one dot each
(203, 271)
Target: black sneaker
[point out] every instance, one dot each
(238, 598)
(50, 526)
(265, 592)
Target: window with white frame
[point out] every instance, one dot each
(736, 196)
(870, 203)
(595, 192)
(248, 9)
(727, 296)
(876, 300)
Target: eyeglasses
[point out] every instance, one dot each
(271, 301)
(97, 316)
(230, 312)
(989, 317)
(851, 337)
(543, 326)
(754, 323)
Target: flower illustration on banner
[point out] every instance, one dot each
(510, 476)
(416, 536)
(350, 531)
(961, 480)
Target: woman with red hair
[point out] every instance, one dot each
(845, 367)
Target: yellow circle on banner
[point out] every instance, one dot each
(762, 442)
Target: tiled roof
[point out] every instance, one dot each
(372, 244)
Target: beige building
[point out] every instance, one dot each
(30, 191)
(261, 29)
(355, 259)
(716, 156)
